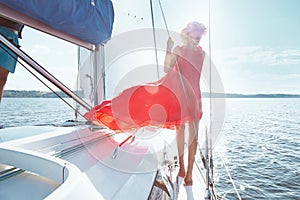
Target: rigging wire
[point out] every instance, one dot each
(43, 82)
(210, 99)
(177, 65)
(154, 38)
(181, 79)
(208, 161)
(164, 17)
(210, 87)
(230, 177)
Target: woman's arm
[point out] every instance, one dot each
(169, 57)
(169, 61)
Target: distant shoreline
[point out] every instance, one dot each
(42, 94)
(32, 94)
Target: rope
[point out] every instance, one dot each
(176, 61)
(209, 164)
(164, 17)
(154, 38)
(179, 72)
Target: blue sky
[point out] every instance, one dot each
(255, 44)
(258, 45)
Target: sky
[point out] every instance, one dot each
(255, 44)
(260, 49)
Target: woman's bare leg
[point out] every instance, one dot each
(180, 146)
(193, 140)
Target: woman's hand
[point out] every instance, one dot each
(170, 44)
(169, 58)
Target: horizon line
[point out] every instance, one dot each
(244, 94)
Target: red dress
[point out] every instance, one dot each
(173, 100)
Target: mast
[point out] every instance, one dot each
(103, 67)
(95, 78)
(99, 75)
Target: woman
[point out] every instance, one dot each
(187, 60)
(169, 103)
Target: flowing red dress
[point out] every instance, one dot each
(173, 100)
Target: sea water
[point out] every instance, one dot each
(34, 111)
(259, 144)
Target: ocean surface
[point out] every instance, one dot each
(34, 111)
(259, 147)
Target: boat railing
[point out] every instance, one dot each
(43, 72)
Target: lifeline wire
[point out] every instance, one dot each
(230, 177)
(43, 83)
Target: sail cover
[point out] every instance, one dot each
(88, 20)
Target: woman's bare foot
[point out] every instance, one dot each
(181, 173)
(188, 180)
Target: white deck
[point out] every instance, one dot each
(84, 166)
